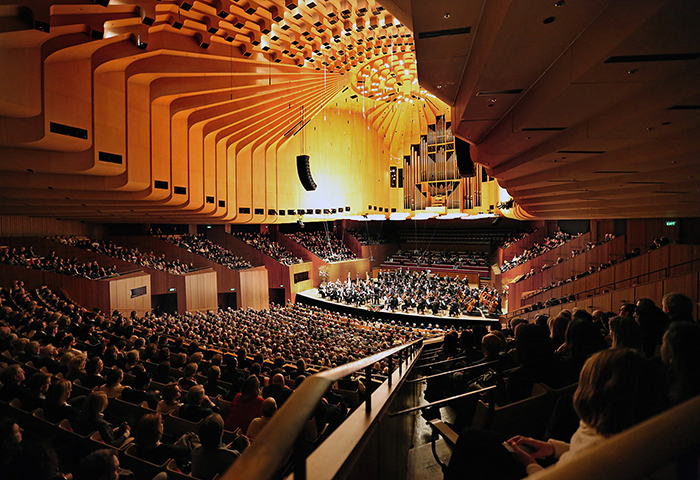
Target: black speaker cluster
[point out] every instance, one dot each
(464, 159)
(305, 173)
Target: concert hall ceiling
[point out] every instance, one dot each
(580, 108)
(144, 110)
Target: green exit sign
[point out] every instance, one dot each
(671, 224)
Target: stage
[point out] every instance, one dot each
(311, 297)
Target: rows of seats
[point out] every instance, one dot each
(43, 334)
(368, 237)
(468, 237)
(529, 372)
(131, 255)
(25, 257)
(264, 243)
(325, 245)
(549, 243)
(197, 243)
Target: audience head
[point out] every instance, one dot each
(583, 339)
(533, 345)
(617, 389)
(678, 307)
(99, 465)
(114, 376)
(625, 332)
(491, 344)
(195, 395)
(210, 431)
(59, 392)
(39, 383)
(278, 379)
(149, 430)
(94, 366)
(250, 388)
(12, 375)
(10, 433)
(627, 309)
(94, 404)
(679, 352)
(269, 407)
(214, 373)
(171, 393)
(190, 370)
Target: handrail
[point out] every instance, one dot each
(262, 458)
(637, 451)
(441, 362)
(522, 309)
(470, 367)
(443, 401)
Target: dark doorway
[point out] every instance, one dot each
(165, 302)
(277, 296)
(227, 300)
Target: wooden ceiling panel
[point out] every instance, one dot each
(600, 97)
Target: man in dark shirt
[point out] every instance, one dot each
(198, 405)
(277, 390)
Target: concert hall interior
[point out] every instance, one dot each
(380, 198)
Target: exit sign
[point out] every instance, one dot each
(671, 224)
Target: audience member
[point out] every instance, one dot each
(212, 457)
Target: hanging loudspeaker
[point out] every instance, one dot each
(464, 159)
(305, 173)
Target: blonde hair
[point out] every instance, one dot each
(617, 389)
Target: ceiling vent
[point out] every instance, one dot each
(543, 129)
(582, 152)
(685, 107)
(444, 33)
(487, 93)
(662, 57)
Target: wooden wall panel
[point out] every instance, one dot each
(254, 292)
(200, 291)
(638, 267)
(653, 290)
(340, 270)
(681, 254)
(120, 293)
(16, 225)
(659, 259)
(87, 293)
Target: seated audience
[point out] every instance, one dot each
(607, 401)
(206, 248)
(113, 386)
(56, 407)
(198, 405)
(263, 242)
(170, 395)
(269, 407)
(678, 307)
(245, 406)
(91, 419)
(212, 457)
(99, 465)
(328, 247)
(149, 447)
(679, 353)
(277, 390)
